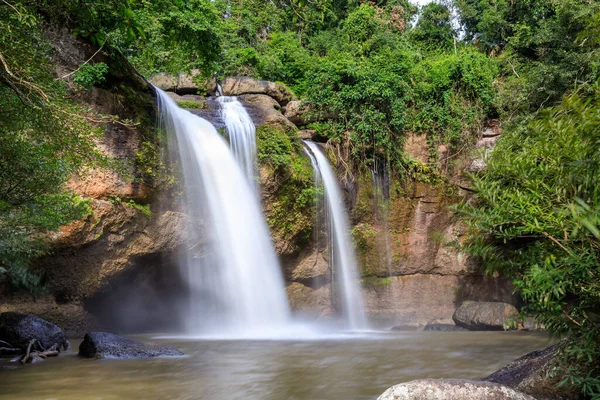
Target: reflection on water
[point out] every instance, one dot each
(334, 368)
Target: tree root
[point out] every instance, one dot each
(34, 353)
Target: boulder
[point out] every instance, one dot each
(163, 81)
(260, 100)
(485, 316)
(531, 374)
(193, 83)
(108, 345)
(451, 389)
(307, 134)
(302, 114)
(19, 329)
(265, 110)
(294, 111)
(443, 328)
(235, 86)
(184, 83)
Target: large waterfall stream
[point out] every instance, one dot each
(235, 281)
(343, 258)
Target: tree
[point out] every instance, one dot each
(434, 28)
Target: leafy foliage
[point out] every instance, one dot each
(44, 139)
(90, 75)
(539, 204)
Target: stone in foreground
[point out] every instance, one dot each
(19, 329)
(485, 316)
(451, 389)
(107, 345)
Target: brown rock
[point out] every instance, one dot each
(235, 86)
(108, 243)
(302, 114)
(485, 316)
(164, 81)
(185, 83)
(264, 110)
(307, 134)
(311, 267)
(417, 147)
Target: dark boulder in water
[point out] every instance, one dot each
(18, 330)
(108, 345)
(443, 328)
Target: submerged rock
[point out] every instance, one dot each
(404, 328)
(19, 329)
(451, 389)
(485, 316)
(443, 328)
(531, 374)
(108, 345)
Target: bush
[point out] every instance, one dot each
(536, 220)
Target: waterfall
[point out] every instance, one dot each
(242, 135)
(235, 281)
(343, 259)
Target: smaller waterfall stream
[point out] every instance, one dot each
(343, 258)
(242, 135)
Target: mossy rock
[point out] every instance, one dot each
(288, 186)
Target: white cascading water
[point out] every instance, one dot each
(242, 135)
(236, 285)
(343, 257)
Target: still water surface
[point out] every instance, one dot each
(327, 368)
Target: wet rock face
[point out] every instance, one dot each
(312, 270)
(485, 316)
(311, 303)
(451, 389)
(107, 345)
(427, 298)
(19, 329)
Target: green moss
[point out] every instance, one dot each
(292, 213)
(276, 145)
(376, 281)
(292, 208)
(143, 208)
(364, 237)
(191, 104)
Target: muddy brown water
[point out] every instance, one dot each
(327, 368)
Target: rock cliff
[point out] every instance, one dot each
(117, 268)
